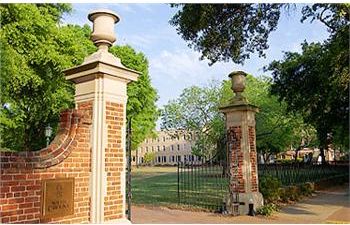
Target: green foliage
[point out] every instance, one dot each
(35, 49)
(267, 209)
(315, 83)
(34, 52)
(334, 16)
(196, 110)
(306, 189)
(291, 193)
(269, 187)
(223, 32)
(141, 107)
(149, 157)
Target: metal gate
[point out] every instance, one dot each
(128, 169)
(202, 185)
(209, 184)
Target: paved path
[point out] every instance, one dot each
(328, 206)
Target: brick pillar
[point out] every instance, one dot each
(240, 125)
(101, 81)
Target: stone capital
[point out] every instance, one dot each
(234, 107)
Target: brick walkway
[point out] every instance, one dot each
(327, 206)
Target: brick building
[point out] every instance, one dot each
(168, 149)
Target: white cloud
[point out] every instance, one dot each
(186, 67)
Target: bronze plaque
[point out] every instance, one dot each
(57, 197)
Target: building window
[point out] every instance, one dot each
(133, 158)
(178, 147)
(164, 158)
(173, 158)
(157, 139)
(172, 147)
(146, 149)
(159, 159)
(158, 148)
(164, 139)
(152, 149)
(163, 147)
(179, 158)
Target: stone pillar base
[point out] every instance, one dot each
(255, 198)
(245, 199)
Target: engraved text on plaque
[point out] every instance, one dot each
(57, 197)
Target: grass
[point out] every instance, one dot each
(154, 185)
(158, 186)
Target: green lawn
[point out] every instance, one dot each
(158, 186)
(154, 185)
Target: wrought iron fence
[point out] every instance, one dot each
(205, 185)
(202, 184)
(298, 173)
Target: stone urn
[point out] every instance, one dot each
(238, 84)
(103, 27)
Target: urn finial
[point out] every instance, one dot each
(238, 84)
(103, 27)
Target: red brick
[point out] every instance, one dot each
(9, 207)
(15, 200)
(5, 219)
(31, 210)
(17, 188)
(26, 205)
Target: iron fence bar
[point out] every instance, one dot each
(178, 183)
(129, 167)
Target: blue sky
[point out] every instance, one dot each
(172, 64)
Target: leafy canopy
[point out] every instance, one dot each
(315, 82)
(223, 32)
(35, 49)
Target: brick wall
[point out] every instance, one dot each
(234, 137)
(253, 159)
(114, 161)
(67, 156)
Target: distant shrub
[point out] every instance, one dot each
(291, 193)
(267, 209)
(269, 187)
(306, 189)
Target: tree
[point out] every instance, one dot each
(196, 111)
(149, 157)
(35, 49)
(315, 82)
(141, 107)
(223, 32)
(34, 52)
